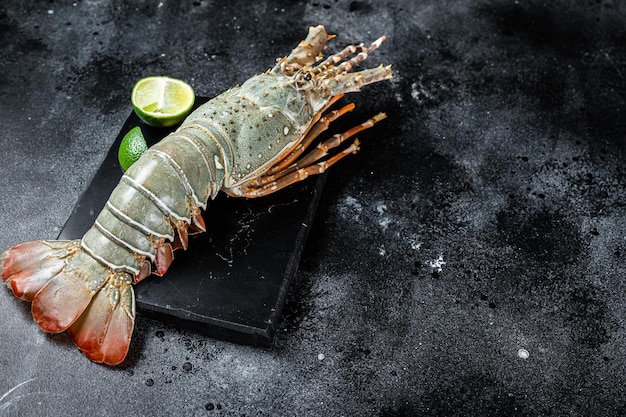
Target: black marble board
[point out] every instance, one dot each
(232, 281)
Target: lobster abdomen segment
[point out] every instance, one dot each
(194, 162)
(138, 211)
(108, 250)
(125, 234)
(160, 183)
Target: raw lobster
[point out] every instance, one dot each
(250, 141)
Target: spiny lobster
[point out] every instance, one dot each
(250, 141)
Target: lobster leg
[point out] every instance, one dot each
(309, 137)
(321, 150)
(311, 163)
(300, 174)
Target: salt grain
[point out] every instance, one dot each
(523, 353)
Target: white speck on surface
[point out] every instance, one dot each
(320, 356)
(384, 223)
(523, 353)
(419, 92)
(50, 11)
(350, 208)
(382, 251)
(353, 202)
(436, 264)
(415, 244)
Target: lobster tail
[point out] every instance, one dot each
(72, 291)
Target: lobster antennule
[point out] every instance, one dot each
(72, 291)
(337, 79)
(329, 67)
(353, 81)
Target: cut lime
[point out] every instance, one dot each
(162, 101)
(132, 147)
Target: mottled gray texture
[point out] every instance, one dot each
(485, 220)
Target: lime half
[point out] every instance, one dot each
(132, 147)
(162, 101)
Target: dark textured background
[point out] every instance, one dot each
(503, 156)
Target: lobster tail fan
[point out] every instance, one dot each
(27, 267)
(104, 330)
(72, 291)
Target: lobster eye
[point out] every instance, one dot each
(304, 81)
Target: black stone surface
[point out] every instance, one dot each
(501, 162)
(234, 282)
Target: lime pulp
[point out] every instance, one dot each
(162, 101)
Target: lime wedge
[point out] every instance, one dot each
(132, 147)
(162, 101)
